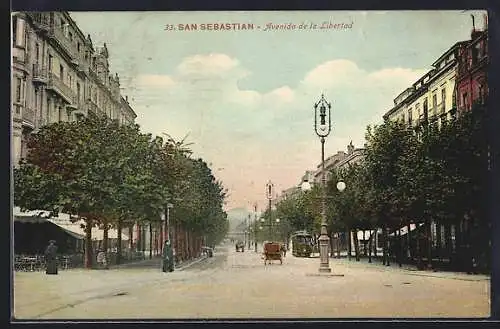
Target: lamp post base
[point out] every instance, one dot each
(324, 266)
(328, 274)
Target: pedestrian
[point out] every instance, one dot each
(283, 249)
(101, 259)
(167, 257)
(51, 258)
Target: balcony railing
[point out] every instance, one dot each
(41, 20)
(83, 65)
(58, 35)
(28, 117)
(39, 74)
(58, 86)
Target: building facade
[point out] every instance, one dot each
(58, 75)
(354, 156)
(431, 99)
(330, 164)
(472, 83)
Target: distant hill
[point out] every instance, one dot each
(236, 217)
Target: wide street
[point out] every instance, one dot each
(238, 285)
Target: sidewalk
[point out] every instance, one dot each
(36, 293)
(407, 269)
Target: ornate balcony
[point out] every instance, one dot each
(57, 35)
(39, 74)
(41, 21)
(28, 116)
(59, 87)
(83, 65)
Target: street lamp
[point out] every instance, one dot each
(277, 224)
(166, 225)
(322, 127)
(255, 226)
(269, 195)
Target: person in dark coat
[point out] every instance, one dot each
(168, 257)
(51, 258)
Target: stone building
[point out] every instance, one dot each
(472, 78)
(58, 75)
(431, 99)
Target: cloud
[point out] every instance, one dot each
(154, 81)
(210, 65)
(268, 134)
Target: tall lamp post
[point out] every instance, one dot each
(166, 225)
(249, 229)
(322, 127)
(255, 226)
(269, 195)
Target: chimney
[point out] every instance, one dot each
(126, 98)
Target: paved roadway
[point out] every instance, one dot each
(238, 285)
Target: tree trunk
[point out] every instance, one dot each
(150, 240)
(356, 244)
(364, 243)
(105, 237)
(89, 259)
(131, 237)
(160, 239)
(399, 250)
(119, 241)
(143, 241)
(386, 247)
(370, 247)
(349, 248)
(409, 253)
(429, 245)
(419, 250)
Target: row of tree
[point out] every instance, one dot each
(433, 176)
(113, 175)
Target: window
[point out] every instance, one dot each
(453, 238)
(70, 35)
(78, 46)
(443, 100)
(434, 104)
(14, 30)
(36, 98)
(61, 72)
(475, 54)
(426, 109)
(443, 236)
(410, 119)
(18, 90)
(37, 52)
(481, 93)
(50, 63)
(48, 110)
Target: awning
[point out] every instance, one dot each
(63, 221)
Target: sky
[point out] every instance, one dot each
(244, 98)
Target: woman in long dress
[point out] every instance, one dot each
(51, 258)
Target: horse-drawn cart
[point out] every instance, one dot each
(272, 251)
